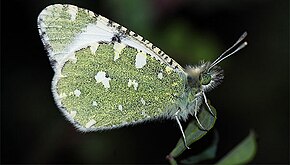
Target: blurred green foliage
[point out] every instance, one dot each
(243, 153)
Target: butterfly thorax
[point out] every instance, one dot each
(199, 79)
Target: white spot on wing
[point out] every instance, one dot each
(62, 95)
(133, 83)
(140, 60)
(77, 93)
(160, 75)
(143, 101)
(95, 103)
(90, 123)
(118, 47)
(73, 10)
(101, 77)
(72, 57)
(73, 114)
(94, 47)
(144, 114)
(120, 107)
(168, 69)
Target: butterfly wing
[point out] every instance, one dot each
(106, 76)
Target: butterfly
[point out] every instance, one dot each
(107, 76)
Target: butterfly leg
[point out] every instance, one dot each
(195, 115)
(205, 100)
(180, 127)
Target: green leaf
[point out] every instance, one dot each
(171, 160)
(193, 132)
(242, 153)
(209, 153)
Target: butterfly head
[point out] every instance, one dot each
(203, 77)
(207, 75)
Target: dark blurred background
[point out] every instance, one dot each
(253, 96)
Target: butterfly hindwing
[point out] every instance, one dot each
(105, 75)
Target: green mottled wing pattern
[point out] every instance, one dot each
(120, 103)
(59, 25)
(105, 75)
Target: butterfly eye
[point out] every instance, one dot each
(205, 79)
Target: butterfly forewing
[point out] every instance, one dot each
(67, 28)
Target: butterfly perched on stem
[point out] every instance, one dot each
(107, 76)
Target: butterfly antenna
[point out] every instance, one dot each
(222, 56)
